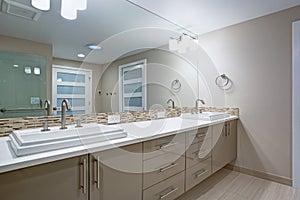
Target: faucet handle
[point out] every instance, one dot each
(78, 123)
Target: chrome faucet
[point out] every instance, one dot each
(65, 105)
(48, 107)
(197, 105)
(173, 104)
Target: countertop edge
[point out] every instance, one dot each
(16, 163)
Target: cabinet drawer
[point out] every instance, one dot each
(169, 189)
(157, 147)
(198, 173)
(161, 167)
(124, 159)
(198, 152)
(198, 135)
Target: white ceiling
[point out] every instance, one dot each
(121, 27)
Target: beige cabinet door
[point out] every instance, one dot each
(60, 180)
(116, 174)
(224, 144)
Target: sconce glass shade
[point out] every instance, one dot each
(68, 9)
(41, 4)
(81, 4)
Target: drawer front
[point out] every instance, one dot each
(198, 152)
(161, 168)
(157, 147)
(169, 189)
(198, 173)
(198, 135)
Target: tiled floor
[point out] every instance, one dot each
(230, 185)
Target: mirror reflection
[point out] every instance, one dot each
(128, 68)
(22, 84)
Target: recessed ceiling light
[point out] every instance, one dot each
(94, 47)
(80, 55)
(16, 65)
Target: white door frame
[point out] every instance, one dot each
(296, 105)
(88, 84)
(144, 82)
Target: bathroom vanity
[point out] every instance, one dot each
(161, 166)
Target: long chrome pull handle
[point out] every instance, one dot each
(83, 186)
(225, 129)
(164, 146)
(97, 173)
(165, 195)
(229, 131)
(200, 173)
(168, 167)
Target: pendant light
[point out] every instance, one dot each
(41, 4)
(68, 9)
(81, 4)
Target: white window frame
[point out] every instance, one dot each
(143, 80)
(87, 85)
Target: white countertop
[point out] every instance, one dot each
(137, 132)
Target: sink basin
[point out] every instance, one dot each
(33, 141)
(206, 116)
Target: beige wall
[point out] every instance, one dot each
(96, 74)
(30, 47)
(257, 56)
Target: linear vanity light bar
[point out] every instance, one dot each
(182, 43)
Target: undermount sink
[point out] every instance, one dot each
(206, 116)
(26, 142)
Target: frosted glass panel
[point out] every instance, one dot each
(18, 88)
(132, 88)
(133, 74)
(133, 101)
(74, 102)
(67, 77)
(63, 89)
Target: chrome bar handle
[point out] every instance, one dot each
(165, 195)
(200, 173)
(97, 174)
(163, 146)
(168, 167)
(83, 185)
(225, 129)
(229, 129)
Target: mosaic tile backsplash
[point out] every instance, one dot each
(7, 126)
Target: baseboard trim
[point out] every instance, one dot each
(267, 176)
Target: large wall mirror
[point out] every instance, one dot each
(51, 41)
